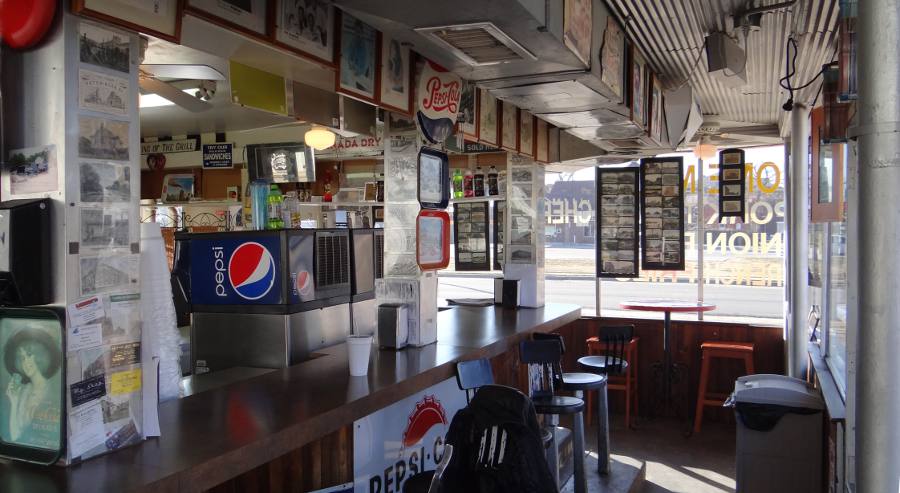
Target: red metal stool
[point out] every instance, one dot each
(627, 383)
(718, 349)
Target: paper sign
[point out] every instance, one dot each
(84, 336)
(86, 311)
(125, 382)
(217, 155)
(87, 390)
(87, 429)
(125, 354)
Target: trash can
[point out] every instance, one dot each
(779, 434)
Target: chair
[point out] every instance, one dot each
(608, 357)
(429, 481)
(545, 376)
(472, 374)
(627, 383)
(718, 349)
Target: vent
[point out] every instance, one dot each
(332, 260)
(478, 44)
(379, 255)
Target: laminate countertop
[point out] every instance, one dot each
(210, 437)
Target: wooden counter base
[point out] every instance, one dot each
(214, 436)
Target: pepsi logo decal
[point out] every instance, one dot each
(428, 413)
(304, 282)
(251, 271)
(439, 95)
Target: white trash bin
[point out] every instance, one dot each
(779, 434)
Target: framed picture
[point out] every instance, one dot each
(306, 27)
(358, 59)
(509, 126)
(612, 60)
(371, 191)
(577, 24)
(732, 184)
(488, 123)
(638, 87)
(526, 133)
(656, 109)
(470, 236)
(396, 76)
(160, 18)
(433, 239)
(542, 141)
(827, 200)
(178, 188)
(246, 16)
(617, 220)
(467, 118)
(434, 179)
(499, 228)
(662, 214)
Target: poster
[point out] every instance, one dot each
(357, 62)
(99, 138)
(396, 91)
(33, 170)
(108, 272)
(617, 190)
(577, 24)
(31, 380)
(178, 188)
(656, 120)
(526, 133)
(467, 118)
(105, 182)
(103, 48)
(487, 118)
(103, 93)
(510, 127)
(612, 58)
(638, 89)
(104, 227)
(307, 26)
(732, 184)
(470, 222)
(662, 214)
(248, 14)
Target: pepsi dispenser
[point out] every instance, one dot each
(362, 276)
(264, 298)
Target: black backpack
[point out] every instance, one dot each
(496, 446)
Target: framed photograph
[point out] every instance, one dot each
(612, 60)
(499, 236)
(178, 188)
(434, 179)
(638, 85)
(656, 109)
(541, 141)
(99, 138)
(433, 240)
(577, 24)
(731, 184)
(396, 76)
(470, 236)
(247, 16)
(358, 59)
(617, 257)
(32, 170)
(160, 18)
(105, 227)
(104, 48)
(307, 28)
(488, 124)
(827, 200)
(509, 126)
(526, 133)
(102, 93)
(662, 249)
(371, 191)
(105, 182)
(467, 118)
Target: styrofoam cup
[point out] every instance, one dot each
(358, 349)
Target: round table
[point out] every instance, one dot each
(667, 307)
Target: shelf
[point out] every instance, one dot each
(477, 199)
(342, 204)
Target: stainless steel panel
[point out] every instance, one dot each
(316, 105)
(554, 97)
(357, 117)
(593, 118)
(226, 340)
(315, 329)
(616, 131)
(364, 314)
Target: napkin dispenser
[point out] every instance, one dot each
(393, 325)
(506, 292)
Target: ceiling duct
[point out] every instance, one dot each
(478, 44)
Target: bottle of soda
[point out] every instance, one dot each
(259, 204)
(457, 184)
(275, 202)
(479, 182)
(492, 184)
(468, 184)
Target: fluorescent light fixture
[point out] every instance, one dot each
(319, 138)
(153, 101)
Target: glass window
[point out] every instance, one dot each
(836, 339)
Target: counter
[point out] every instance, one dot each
(210, 437)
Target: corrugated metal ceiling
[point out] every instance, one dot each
(671, 33)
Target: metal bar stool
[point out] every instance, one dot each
(579, 383)
(718, 349)
(543, 357)
(628, 384)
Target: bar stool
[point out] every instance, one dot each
(607, 357)
(544, 358)
(579, 383)
(718, 349)
(627, 383)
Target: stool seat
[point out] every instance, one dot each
(557, 404)
(741, 347)
(582, 381)
(597, 364)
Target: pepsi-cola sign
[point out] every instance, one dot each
(438, 95)
(239, 271)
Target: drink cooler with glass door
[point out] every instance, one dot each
(270, 298)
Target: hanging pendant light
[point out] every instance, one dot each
(319, 138)
(705, 149)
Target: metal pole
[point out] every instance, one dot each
(878, 397)
(701, 223)
(798, 241)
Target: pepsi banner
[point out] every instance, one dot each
(241, 269)
(438, 95)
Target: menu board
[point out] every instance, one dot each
(499, 236)
(470, 235)
(662, 213)
(732, 200)
(617, 251)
